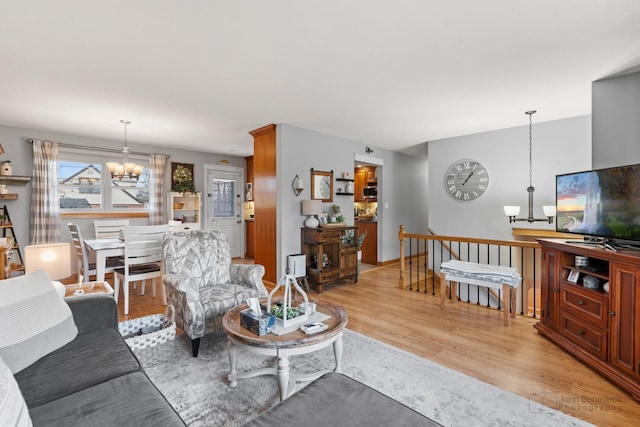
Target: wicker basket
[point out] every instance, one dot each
(163, 329)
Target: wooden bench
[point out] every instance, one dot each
(489, 276)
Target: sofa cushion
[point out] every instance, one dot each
(129, 400)
(13, 409)
(90, 359)
(35, 320)
(337, 400)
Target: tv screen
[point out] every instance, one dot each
(603, 203)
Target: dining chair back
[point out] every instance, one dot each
(142, 259)
(84, 269)
(109, 229)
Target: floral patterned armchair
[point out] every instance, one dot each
(201, 282)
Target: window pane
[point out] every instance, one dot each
(80, 185)
(223, 198)
(130, 193)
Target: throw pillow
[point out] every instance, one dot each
(35, 320)
(13, 408)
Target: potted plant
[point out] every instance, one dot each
(183, 181)
(334, 214)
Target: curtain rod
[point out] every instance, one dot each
(105, 150)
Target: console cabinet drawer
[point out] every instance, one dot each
(585, 304)
(584, 334)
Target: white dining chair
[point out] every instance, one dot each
(109, 229)
(142, 259)
(85, 268)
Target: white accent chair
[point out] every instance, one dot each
(143, 259)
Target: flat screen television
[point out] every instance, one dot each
(603, 203)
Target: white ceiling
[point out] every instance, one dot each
(200, 74)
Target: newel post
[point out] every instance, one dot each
(401, 238)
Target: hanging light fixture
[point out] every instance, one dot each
(513, 211)
(126, 169)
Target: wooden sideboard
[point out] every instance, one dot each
(329, 256)
(598, 327)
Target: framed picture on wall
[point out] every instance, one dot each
(186, 169)
(322, 186)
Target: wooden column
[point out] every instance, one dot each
(264, 196)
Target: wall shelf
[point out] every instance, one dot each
(8, 197)
(344, 179)
(344, 194)
(14, 180)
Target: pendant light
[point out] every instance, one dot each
(126, 169)
(513, 211)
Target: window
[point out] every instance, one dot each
(224, 198)
(84, 183)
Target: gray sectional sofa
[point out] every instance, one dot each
(94, 380)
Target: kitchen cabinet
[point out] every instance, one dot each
(370, 243)
(598, 327)
(360, 177)
(330, 256)
(249, 247)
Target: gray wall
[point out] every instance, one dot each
(402, 185)
(616, 121)
(14, 140)
(559, 146)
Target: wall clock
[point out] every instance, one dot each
(466, 180)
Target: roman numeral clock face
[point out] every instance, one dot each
(466, 180)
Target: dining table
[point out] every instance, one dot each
(103, 249)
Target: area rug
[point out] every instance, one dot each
(198, 387)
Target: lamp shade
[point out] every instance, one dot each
(549, 210)
(54, 258)
(311, 207)
(512, 210)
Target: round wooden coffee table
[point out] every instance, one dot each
(284, 346)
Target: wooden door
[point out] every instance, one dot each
(625, 318)
(550, 287)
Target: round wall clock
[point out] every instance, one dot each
(466, 180)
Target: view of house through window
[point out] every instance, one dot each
(88, 185)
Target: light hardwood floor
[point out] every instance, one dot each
(469, 339)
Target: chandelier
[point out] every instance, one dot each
(126, 169)
(513, 211)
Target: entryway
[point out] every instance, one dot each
(223, 204)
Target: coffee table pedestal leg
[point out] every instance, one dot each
(337, 353)
(233, 360)
(283, 377)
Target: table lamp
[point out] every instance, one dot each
(54, 258)
(311, 208)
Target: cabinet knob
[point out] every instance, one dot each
(580, 332)
(612, 313)
(556, 290)
(580, 302)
